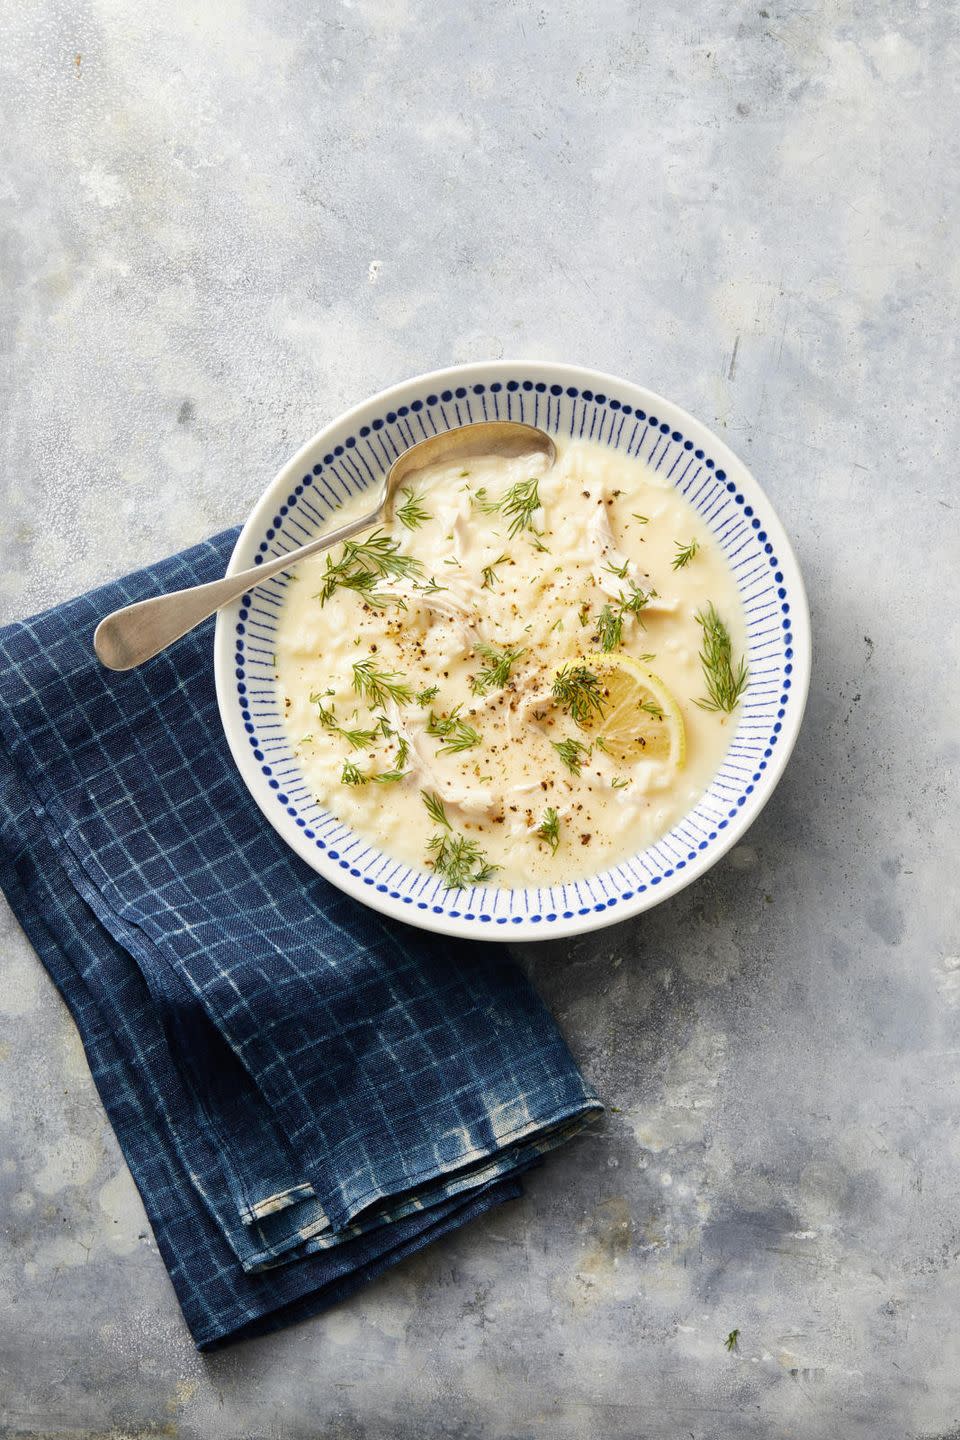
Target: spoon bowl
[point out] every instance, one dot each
(128, 637)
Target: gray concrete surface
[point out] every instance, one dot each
(224, 220)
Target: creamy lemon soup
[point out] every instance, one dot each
(526, 676)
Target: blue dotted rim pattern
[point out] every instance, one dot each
(357, 462)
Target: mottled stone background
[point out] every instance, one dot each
(225, 220)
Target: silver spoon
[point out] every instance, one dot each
(137, 632)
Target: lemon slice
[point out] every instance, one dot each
(641, 719)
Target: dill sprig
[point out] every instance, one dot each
(443, 725)
(610, 622)
(549, 828)
(685, 553)
(364, 562)
(423, 697)
(325, 713)
(458, 860)
(455, 733)
(573, 753)
(725, 681)
(583, 614)
(636, 600)
(435, 808)
(499, 665)
(350, 775)
(464, 737)
(483, 503)
(652, 708)
(431, 587)
(577, 690)
(519, 505)
(385, 729)
(489, 572)
(356, 738)
(381, 554)
(378, 686)
(364, 583)
(359, 739)
(411, 513)
(610, 628)
(390, 777)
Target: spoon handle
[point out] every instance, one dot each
(136, 633)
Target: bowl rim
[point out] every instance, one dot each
(444, 923)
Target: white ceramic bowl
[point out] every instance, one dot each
(351, 454)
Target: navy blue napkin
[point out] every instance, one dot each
(305, 1091)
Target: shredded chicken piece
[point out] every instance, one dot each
(603, 546)
(643, 778)
(444, 604)
(531, 710)
(600, 536)
(530, 704)
(463, 530)
(469, 799)
(527, 788)
(449, 606)
(656, 605)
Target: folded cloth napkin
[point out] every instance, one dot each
(305, 1092)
